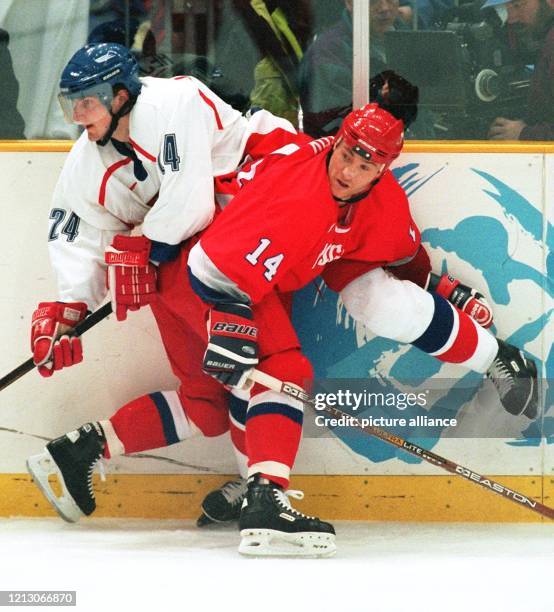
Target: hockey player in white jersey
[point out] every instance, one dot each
(148, 154)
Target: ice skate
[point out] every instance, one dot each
(270, 526)
(223, 505)
(515, 377)
(71, 458)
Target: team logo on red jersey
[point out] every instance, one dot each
(329, 253)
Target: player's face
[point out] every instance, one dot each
(93, 116)
(349, 174)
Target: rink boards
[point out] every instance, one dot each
(485, 215)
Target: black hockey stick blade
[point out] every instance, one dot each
(80, 329)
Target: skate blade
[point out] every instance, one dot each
(40, 467)
(530, 410)
(204, 520)
(271, 543)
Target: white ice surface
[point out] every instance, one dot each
(171, 565)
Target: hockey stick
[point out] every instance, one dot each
(446, 464)
(79, 329)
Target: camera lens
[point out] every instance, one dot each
(487, 85)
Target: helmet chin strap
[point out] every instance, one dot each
(124, 110)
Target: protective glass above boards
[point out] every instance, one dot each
(481, 66)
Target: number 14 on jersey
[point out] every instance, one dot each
(271, 264)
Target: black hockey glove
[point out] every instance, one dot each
(232, 344)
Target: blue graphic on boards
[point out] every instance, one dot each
(333, 347)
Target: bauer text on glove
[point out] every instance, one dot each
(232, 343)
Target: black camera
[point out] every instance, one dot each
(467, 72)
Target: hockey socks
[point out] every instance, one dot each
(453, 336)
(273, 431)
(151, 421)
(237, 428)
(274, 420)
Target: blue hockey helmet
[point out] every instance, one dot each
(98, 63)
(92, 72)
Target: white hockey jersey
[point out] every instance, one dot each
(184, 136)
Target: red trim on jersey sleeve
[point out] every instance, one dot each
(111, 169)
(144, 153)
(258, 145)
(213, 107)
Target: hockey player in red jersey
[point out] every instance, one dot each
(338, 212)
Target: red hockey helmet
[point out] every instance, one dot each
(373, 133)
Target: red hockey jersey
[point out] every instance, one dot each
(285, 228)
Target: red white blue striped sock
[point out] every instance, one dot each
(454, 337)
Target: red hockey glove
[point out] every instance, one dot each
(232, 344)
(52, 348)
(463, 297)
(131, 277)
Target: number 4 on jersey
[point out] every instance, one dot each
(171, 156)
(270, 263)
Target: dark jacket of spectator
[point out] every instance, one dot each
(540, 107)
(11, 121)
(326, 69)
(325, 79)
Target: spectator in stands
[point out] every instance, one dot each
(119, 19)
(118, 31)
(428, 14)
(11, 124)
(271, 36)
(537, 120)
(278, 28)
(325, 75)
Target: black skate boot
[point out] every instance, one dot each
(223, 504)
(269, 525)
(72, 459)
(515, 377)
